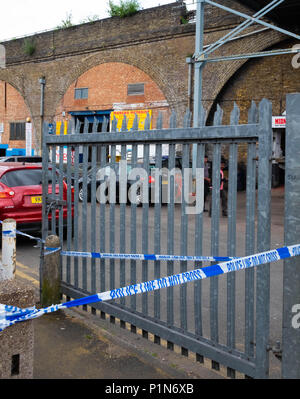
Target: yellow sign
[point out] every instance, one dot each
(58, 127)
(130, 115)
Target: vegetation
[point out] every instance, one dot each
(90, 18)
(126, 8)
(66, 23)
(29, 47)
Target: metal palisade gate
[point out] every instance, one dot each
(224, 318)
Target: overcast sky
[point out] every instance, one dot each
(23, 17)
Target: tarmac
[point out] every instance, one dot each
(74, 344)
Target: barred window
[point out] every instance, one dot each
(17, 131)
(81, 93)
(136, 89)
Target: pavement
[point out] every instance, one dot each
(74, 344)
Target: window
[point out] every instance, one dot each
(17, 131)
(81, 93)
(22, 177)
(136, 89)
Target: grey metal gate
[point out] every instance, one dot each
(225, 319)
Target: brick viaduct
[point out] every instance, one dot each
(154, 40)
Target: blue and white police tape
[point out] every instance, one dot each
(12, 233)
(98, 255)
(10, 315)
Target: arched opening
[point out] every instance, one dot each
(112, 89)
(14, 114)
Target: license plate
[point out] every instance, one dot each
(36, 200)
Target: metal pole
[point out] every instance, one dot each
(42, 82)
(199, 64)
(8, 266)
(291, 271)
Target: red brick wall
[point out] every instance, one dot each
(107, 84)
(12, 109)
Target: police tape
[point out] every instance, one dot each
(9, 315)
(98, 255)
(49, 251)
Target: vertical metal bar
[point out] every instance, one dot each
(133, 233)
(291, 271)
(61, 174)
(102, 227)
(145, 234)
(198, 71)
(215, 216)
(53, 189)
(263, 238)
(231, 234)
(122, 232)
(112, 225)
(183, 238)
(61, 210)
(76, 212)
(198, 251)
(157, 237)
(45, 179)
(69, 211)
(250, 237)
(84, 212)
(250, 248)
(170, 243)
(93, 216)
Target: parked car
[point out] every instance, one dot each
(138, 194)
(22, 158)
(21, 196)
(108, 168)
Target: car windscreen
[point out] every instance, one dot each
(30, 159)
(22, 177)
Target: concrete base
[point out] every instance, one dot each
(17, 341)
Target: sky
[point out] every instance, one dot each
(25, 17)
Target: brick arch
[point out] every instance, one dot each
(142, 63)
(227, 70)
(108, 86)
(17, 109)
(241, 80)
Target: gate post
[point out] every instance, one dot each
(51, 276)
(291, 271)
(263, 238)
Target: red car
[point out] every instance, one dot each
(21, 195)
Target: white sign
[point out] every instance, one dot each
(278, 122)
(1, 127)
(28, 139)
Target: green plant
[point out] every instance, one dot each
(90, 18)
(66, 23)
(126, 8)
(29, 47)
(184, 20)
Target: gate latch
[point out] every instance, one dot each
(53, 203)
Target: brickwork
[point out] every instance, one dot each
(154, 41)
(107, 90)
(12, 109)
